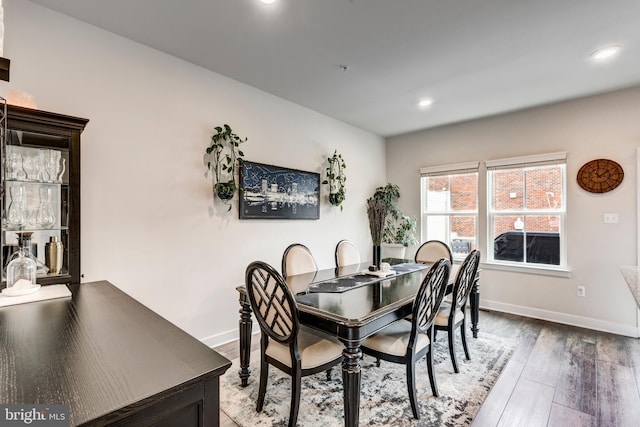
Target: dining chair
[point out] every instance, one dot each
(293, 348)
(297, 259)
(346, 254)
(407, 342)
(451, 314)
(431, 251)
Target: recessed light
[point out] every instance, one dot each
(425, 103)
(605, 53)
(268, 1)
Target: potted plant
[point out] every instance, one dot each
(399, 229)
(335, 179)
(225, 157)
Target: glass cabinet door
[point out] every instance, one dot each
(37, 197)
(41, 197)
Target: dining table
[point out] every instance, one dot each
(351, 303)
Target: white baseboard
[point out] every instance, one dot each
(552, 316)
(567, 319)
(219, 339)
(225, 337)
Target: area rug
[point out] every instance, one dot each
(384, 398)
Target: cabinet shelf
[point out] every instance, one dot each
(32, 229)
(39, 183)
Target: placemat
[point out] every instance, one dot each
(45, 293)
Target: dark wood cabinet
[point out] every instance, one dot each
(41, 170)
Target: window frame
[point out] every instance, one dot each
(524, 163)
(444, 171)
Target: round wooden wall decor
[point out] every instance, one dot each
(600, 175)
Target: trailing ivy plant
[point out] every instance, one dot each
(225, 159)
(335, 179)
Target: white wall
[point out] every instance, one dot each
(149, 222)
(601, 126)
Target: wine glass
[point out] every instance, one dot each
(31, 166)
(13, 166)
(16, 215)
(45, 217)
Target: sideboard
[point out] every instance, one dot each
(109, 358)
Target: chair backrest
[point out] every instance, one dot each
(430, 296)
(273, 304)
(346, 254)
(297, 259)
(464, 280)
(431, 251)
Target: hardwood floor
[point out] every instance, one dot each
(558, 376)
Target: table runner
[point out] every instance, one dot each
(342, 284)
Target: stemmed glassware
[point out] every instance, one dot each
(16, 212)
(45, 217)
(53, 165)
(13, 167)
(35, 165)
(31, 206)
(32, 166)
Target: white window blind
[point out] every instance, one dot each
(457, 168)
(528, 161)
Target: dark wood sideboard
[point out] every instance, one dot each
(108, 357)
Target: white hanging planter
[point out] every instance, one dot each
(393, 250)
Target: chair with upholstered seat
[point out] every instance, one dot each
(346, 254)
(297, 259)
(452, 314)
(431, 251)
(407, 342)
(294, 349)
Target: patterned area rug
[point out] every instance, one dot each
(384, 399)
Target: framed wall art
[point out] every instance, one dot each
(274, 192)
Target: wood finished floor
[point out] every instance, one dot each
(559, 376)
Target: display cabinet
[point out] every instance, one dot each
(41, 191)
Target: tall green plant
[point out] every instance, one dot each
(398, 228)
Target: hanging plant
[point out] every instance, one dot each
(335, 179)
(225, 158)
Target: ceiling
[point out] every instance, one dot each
(474, 58)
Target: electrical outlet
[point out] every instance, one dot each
(580, 290)
(610, 218)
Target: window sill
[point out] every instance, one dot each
(542, 270)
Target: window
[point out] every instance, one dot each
(449, 200)
(526, 210)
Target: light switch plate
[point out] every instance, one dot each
(610, 218)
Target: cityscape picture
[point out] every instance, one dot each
(273, 192)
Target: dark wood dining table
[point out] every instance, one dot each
(351, 305)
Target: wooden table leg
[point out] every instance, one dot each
(351, 383)
(246, 326)
(475, 305)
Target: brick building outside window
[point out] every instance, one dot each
(525, 210)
